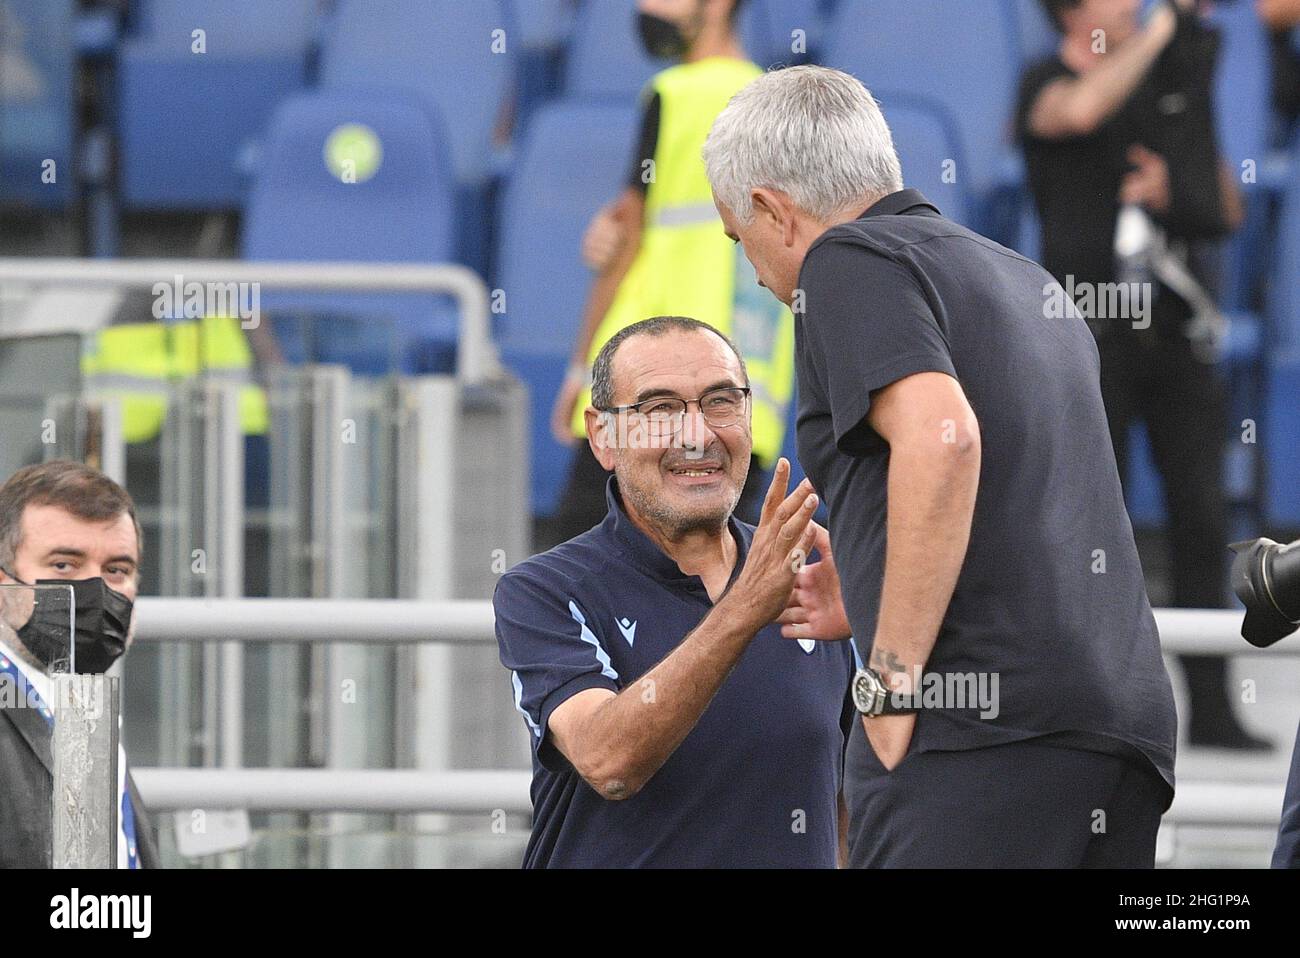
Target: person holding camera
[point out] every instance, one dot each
(1119, 141)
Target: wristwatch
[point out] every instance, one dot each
(872, 696)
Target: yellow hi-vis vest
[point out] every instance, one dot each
(686, 265)
(135, 363)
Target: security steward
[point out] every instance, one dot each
(659, 251)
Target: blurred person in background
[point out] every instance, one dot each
(681, 711)
(61, 522)
(657, 250)
(1123, 163)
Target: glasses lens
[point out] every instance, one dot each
(723, 407)
(663, 417)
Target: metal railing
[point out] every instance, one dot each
(477, 359)
(334, 790)
(400, 621)
(1183, 631)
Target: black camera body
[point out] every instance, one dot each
(1266, 578)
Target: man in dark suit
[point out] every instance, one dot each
(61, 522)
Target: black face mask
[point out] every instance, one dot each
(103, 617)
(661, 38)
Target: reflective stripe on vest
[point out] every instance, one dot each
(689, 214)
(686, 265)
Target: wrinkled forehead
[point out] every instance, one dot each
(679, 362)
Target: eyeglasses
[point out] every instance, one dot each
(664, 415)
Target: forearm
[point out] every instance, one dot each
(1234, 207)
(636, 731)
(931, 504)
(1279, 14)
(1081, 105)
(1105, 89)
(602, 293)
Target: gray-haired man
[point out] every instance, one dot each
(944, 413)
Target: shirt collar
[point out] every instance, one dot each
(645, 553)
(904, 201)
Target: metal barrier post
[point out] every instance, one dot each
(84, 749)
(426, 456)
(88, 430)
(202, 554)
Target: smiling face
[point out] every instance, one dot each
(688, 482)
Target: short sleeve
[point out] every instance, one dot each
(1032, 83)
(869, 324)
(547, 642)
(647, 144)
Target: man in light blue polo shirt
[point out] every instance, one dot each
(681, 711)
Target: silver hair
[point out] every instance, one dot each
(813, 133)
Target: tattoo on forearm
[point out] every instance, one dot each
(886, 661)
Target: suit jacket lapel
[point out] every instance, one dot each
(36, 732)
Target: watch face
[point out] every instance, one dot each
(865, 689)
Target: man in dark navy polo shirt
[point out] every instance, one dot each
(681, 711)
(950, 412)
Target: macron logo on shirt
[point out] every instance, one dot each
(628, 629)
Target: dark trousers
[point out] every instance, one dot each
(1022, 805)
(582, 504)
(1182, 402)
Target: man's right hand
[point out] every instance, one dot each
(781, 544)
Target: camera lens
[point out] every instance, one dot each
(1266, 578)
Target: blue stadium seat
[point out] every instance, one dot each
(542, 24)
(572, 159)
(927, 149)
(606, 60)
(1242, 85)
(542, 29)
(767, 30)
(440, 51)
(188, 120)
(37, 71)
(1284, 296)
(1242, 106)
(437, 50)
(301, 210)
(1282, 443)
(1282, 421)
(970, 73)
(1036, 36)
